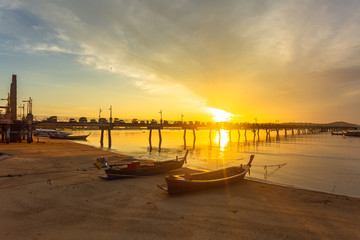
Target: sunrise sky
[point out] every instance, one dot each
(264, 60)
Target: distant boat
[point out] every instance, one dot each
(352, 133)
(69, 137)
(47, 132)
(190, 182)
(134, 168)
(338, 133)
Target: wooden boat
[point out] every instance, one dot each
(189, 182)
(338, 133)
(68, 137)
(352, 133)
(47, 132)
(134, 168)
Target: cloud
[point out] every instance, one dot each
(233, 55)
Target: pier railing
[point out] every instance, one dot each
(205, 126)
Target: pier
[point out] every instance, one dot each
(13, 129)
(16, 129)
(251, 130)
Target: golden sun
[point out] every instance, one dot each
(220, 115)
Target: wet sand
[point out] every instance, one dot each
(51, 190)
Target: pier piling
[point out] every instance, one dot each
(150, 139)
(109, 137)
(160, 139)
(102, 138)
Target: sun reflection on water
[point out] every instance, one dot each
(222, 137)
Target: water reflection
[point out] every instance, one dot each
(194, 139)
(313, 161)
(222, 137)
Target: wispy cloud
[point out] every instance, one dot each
(234, 55)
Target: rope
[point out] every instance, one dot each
(274, 165)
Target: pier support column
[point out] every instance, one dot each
(30, 134)
(292, 132)
(19, 136)
(184, 139)
(102, 138)
(109, 137)
(23, 135)
(245, 135)
(238, 135)
(150, 139)
(285, 132)
(160, 139)
(267, 134)
(7, 137)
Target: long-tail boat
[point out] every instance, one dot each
(134, 168)
(68, 137)
(189, 182)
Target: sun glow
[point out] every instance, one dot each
(220, 115)
(223, 139)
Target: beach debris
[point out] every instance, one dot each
(4, 156)
(325, 201)
(12, 175)
(100, 162)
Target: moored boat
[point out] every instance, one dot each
(47, 132)
(134, 168)
(338, 133)
(352, 133)
(68, 137)
(190, 182)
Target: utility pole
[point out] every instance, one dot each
(160, 116)
(100, 112)
(182, 116)
(110, 114)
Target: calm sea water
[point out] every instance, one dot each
(312, 161)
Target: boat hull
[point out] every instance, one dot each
(175, 185)
(144, 170)
(70, 137)
(191, 182)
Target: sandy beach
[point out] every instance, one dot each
(50, 190)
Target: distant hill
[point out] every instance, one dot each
(342, 124)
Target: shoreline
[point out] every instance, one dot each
(299, 188)
(247, 177)
(60, 196)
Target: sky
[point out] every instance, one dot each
(250, 61)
